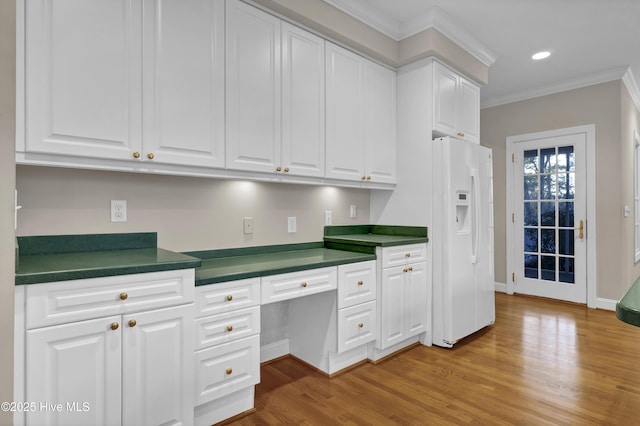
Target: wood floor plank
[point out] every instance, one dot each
(542, 363)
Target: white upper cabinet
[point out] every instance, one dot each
(302, 102)
(275, 94)
(456, 105)
(253, 88)
(361, 117)
(82, 82)
(183, 82)
(96, 86)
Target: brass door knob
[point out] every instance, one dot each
(304, 284)
(124, 296)
(150, 156)
(360, 282)
(228, 371)
(132, 323)
(229, 298)
(136, 154)
(114, 325)
(229, 328)
(581, 229)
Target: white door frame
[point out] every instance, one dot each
(590, 133)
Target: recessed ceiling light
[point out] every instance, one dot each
(541, 55)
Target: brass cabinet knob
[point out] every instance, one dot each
(368, 177)
(410, 268)
(229, 328)
(136, 154)
(361, 325)
(407, 255)
(461, 134)
(228, 371)
(229, 298)
(360, 282)
(124, 296)
(132, 323)
(364, 178)
(278, 169)
(286, 170)
(304, 284)
(114, 325)
(150, 156)
(405, 270)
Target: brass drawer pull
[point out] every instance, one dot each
(360, 282)
(228, 371)
(114, 325)
(361, 325)
(304, 285)
(229, 328)
(229, 298)
(124, 296)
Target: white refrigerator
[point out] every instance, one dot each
(462, 240)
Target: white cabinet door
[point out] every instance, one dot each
(469, 110)
(75, 363)
(445, 100)
(302, 102)
(157, 367)
(345, 118)
(380, 104)
(253, 88)
(417, 306)
(392, 301)
(183, 66)
(83, 87)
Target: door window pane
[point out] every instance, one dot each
(530, 266)
(548, 160)
(565, 214)
(548, 213)
(548, 240)
(566, 159)
(531, 187)
(531, 162)
(566, 270)
(566, 185)
(548, 268)
(565, 241)
(531, 240)
(547, 187)
(531, 214)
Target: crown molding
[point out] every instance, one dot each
(433, 18)
(589, 80)
(632, 86)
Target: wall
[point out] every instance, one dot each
(188, 213)
(7, 185)
(630, 121)
(600, 105)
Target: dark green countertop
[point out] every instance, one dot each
(628, 308)
(374, 235)
(71, 257)
(235, 264)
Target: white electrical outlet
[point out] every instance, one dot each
(248, 225)
(291, 224)
(118, 210)
(327, 217)
(352, 211)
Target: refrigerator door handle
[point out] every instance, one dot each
(475, 184)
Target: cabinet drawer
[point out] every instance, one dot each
(356, 283)
(356, 326)
(224, 369)
(402, 255)
(225, 297)
(297, 284)
(227, 327)
(77, 300)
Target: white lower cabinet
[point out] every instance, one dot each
(132, 367)
(227, 349)
(404, 299)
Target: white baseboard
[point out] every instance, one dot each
(274, 350)
(608, 304)
(501, 287)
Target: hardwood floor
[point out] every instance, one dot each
(543, 362)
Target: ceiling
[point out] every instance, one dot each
(591, 41)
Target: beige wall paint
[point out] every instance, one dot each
(188, 213)
(600, 105)
(7, 185)
(630, 118)
(334, 23)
